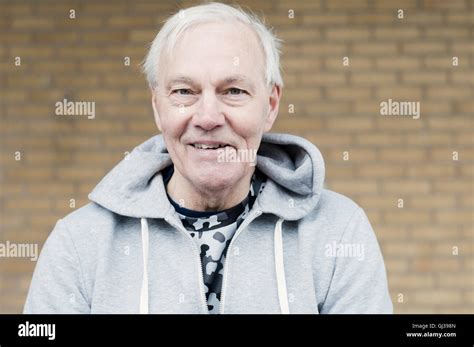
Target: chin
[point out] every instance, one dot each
(215, 177)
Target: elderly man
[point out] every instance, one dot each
(215, 215)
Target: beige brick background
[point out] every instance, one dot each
(335, 106)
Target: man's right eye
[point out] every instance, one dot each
(182, 91)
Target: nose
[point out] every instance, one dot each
(208, 115)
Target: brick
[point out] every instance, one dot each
(398, 92)
(380, 171)
(385, 78)
(296, 123)
(431, 231)
(344, 5)
(454, 281)
(348, 93)
(438, 62)
(355, 63)
(424, 77)
(348, 187)
(404, 250)
(401, 155)
(328, 139)
(406, 186)
(398, 63)
(347, 34)
(458, 17)
(405, 216)
(300, 5)
(423, 48)
(431, 265)
(320, 19)
(349, 124)
(430, 170)
(377, 49)
(438, 296)
(451, 186)
(326, 107)
(301, 64)
(356, 155)
(461, 77)
(24, 175)
(456, 217)
(464, 106)
(446, 154)
(370, 18)
(429, 139)
(432, 202)
(440, 4)
(324, 49)
(129, 21)
(399, 123)
(324, 79)
(32, 23)
(412, 281)
(380, 202)
(300, 35)
(75, 173)
(397, 33)
(397, 265)
(339, 171)
(26, 203)
(447, 33)
(451, 123)
(462, 47)
(143, 35)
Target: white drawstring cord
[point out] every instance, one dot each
(144, 291)
(280, 269)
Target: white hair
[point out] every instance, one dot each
(169, 34)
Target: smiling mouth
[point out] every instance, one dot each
(209, 146)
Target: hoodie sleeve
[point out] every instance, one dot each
(359, 283)
(57, 285)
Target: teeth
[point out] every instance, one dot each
(203, 146)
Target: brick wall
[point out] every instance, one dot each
(427, 243)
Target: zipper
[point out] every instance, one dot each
(196, 251)
(244, 224)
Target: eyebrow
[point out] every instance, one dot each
(226, 80)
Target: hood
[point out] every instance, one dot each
(294, 168)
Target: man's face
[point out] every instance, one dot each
(212, 92)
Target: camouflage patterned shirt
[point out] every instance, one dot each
(213, 232)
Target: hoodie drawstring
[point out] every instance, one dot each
(280, 269)
(145, 246)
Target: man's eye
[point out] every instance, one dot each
(182, 91)
(236, 91)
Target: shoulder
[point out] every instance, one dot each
(333, 214)
(89, 225)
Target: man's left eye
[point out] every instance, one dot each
(236, 91)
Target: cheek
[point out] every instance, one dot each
(173, 122)
(248, 123)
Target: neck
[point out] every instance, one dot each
(207, 199)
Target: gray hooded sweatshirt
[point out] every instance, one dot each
(301, 249)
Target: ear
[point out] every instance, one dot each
(274, 104)
(154, 104)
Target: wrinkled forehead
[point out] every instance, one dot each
(216, 49)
